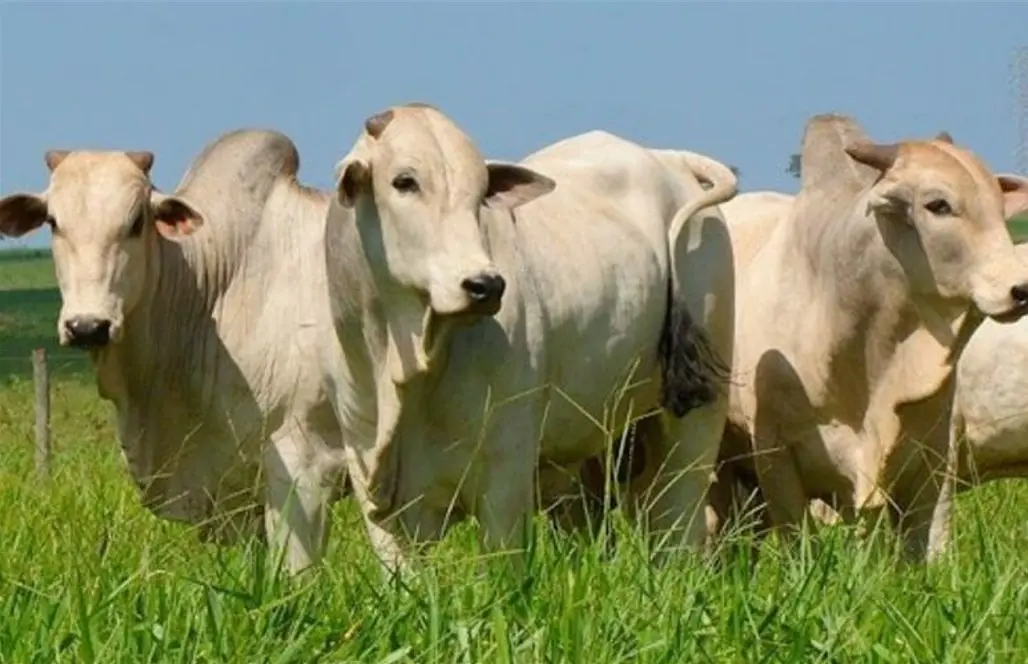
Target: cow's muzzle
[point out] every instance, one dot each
(485, 293)
(88, 331)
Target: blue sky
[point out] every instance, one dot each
(736, 80)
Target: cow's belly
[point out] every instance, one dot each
(996, 424)
(602, 377)
(1003, 452)
(578, 398)
(582, 416)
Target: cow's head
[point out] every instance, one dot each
(944, 212)
(105, 217)
(418, 184)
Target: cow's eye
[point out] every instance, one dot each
(939, 206)
(406, 184)
(137, 224)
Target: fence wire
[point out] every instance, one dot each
(59, 363)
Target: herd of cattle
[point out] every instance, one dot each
(447, 336)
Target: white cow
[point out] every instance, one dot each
(479, 340)
(856, 294)
(202, 313)
(989, 421)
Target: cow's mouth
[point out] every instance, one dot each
(1011, 315)
(88, 344)
(489, 307)
(472, 313)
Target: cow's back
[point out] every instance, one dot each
(600, 175)
(752, 217)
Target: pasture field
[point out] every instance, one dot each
(87, 575)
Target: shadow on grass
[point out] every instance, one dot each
(28, 320)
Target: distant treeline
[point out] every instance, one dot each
(22, 254)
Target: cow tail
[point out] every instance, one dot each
(692, 371)
(693, 374)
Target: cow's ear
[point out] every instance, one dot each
(22, 213)
(353, 177)
(174, 217)
(511, 185)
(892, 199)
(1015, 194)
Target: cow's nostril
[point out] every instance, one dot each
(1019, 294)
(484, 287)
(476, 288)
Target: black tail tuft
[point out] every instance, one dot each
(693, 373)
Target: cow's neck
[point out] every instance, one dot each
(382, 332)
(162, 375)
(169, 342)
(414, 339)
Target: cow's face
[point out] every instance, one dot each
(418, 184)
(942, 213)
(104, 216)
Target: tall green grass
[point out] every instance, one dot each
(87, 575)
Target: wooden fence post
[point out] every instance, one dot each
(41, 378)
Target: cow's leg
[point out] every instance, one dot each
(939, 530)
(390, 549)
(670, 496)
(915, 511)
(921, 505)
(389, 536)
(557, 492)
(507, 500)
(736, 507)
(696, 350)
(721, 510)
(573, 497)
(920, 468)
(303, 472)
(780, 483)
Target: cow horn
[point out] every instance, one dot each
(143, 160)
(377, 123)
(875, 155)
(54, 158)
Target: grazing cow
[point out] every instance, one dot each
(479, 341)
(856, 307)
(989, 420)
(202, 312)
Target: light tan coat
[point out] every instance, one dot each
(852, 310)
(202, 313)
(989, 421)
(453, 387)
